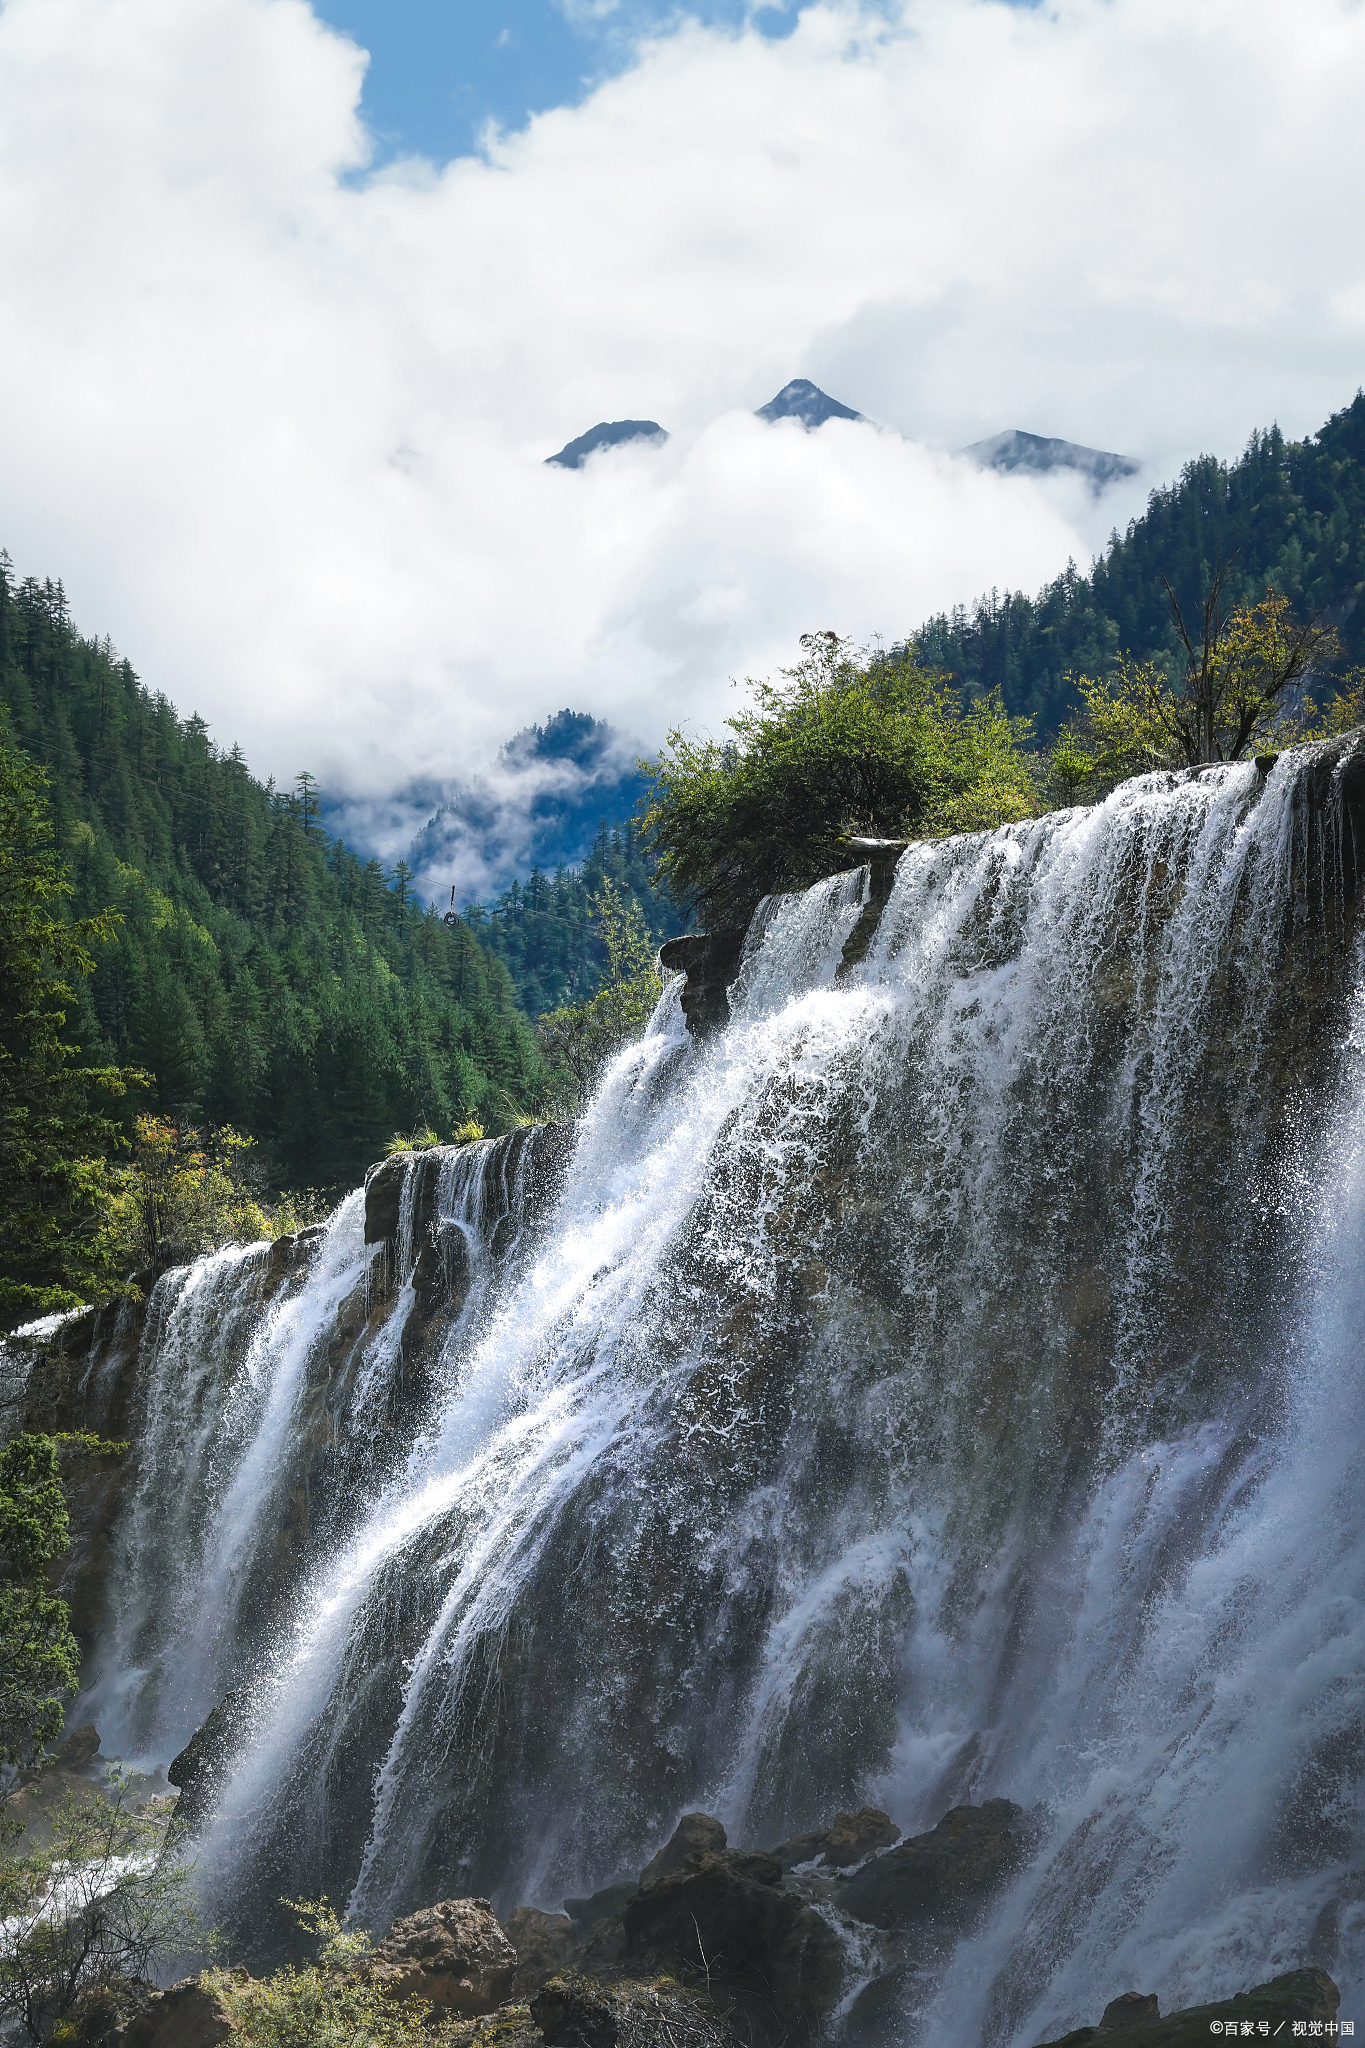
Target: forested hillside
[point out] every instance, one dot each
(1291, 513)
(546, 928)
(263, 975)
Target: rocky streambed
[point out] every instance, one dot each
(836, 1935)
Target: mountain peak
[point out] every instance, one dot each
(1038, 453)
(606, 434)
(804, 401)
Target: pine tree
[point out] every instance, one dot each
(53, 1145)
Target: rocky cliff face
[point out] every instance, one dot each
(86, 1372)
(97, 1370)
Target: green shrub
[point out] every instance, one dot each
(421, 1140)
(578, 1040)
(326, 2004)
(845, 743)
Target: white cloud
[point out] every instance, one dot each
(280, 425)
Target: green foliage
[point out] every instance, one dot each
(1289, 513)
(1229, 700)
(843, 744)
(182, 1195)
(579, 1039)
(38, 1656)
(547, 928)
(1342, 712)
(326, 2004)
(262, 975)
(54, 1145)
(421, 1140)
(103, 1901)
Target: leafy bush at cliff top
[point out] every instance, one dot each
(843, 743)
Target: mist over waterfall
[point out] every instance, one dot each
(942, 1383)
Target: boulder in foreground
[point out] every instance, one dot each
(944, 1875)
(546, 1945)
(132, 2014)
(576, 2012)
(849, 1838)
(454, 1955)
(697, 1834)
(725, 1915)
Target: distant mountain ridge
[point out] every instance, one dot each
(801, 400)
(534, 837)
(606, 434)
(804, 401)
(1039, 453)
(540, 804)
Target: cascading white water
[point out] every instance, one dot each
(212, 1543)
(911, 1397)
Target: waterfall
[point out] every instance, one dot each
(944, 1382)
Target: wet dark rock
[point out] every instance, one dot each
(85, 1377)
(522, 1178)
(78, 1750)
(202, 1769)
(849, 1838)
(454, 1955)
(604, 1947)
(288, 1256)
(942, 1876)
(603, 1905)
(511, 2026)
(1128, 2008)
(878, 2014)
(576, 2012)
(101, 2016)
(546, 1944)
(881, 857)
(696, 1834)
(1132, 2021)
(727, 1915)
(443, 1272)
(710, 961)
(384, 1196)
(134, 2014)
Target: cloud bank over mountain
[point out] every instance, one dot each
(538, 803)
(282, 423)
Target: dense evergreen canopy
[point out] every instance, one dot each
(548, 928)
(54, 1140)
(262, 974)
(1289, 513)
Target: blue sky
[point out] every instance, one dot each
(439, 69)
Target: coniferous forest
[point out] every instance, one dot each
(1289, 513)
(547, 928)
(261, 974)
